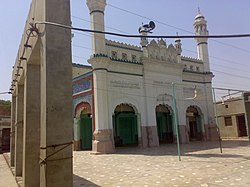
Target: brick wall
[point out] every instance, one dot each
(5, 110)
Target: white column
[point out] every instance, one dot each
(56, 95)
(12, 133)
(19, 131)
(31, 128)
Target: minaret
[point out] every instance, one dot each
(178, 48)
(144, 43)
(200, 27)
(103, 142)
(96, 9)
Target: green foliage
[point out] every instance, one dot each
(5, 103)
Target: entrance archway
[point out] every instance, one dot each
(193, 115)
(164, 124)
(125, 126)
(86, 127)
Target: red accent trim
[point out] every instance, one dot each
(81, 94)
(84, 78)
(81, 105)
(90, 77)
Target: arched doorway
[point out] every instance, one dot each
(125, 126)
(86, 127)
(164, 124)
(194, 123)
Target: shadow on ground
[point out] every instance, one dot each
(187, 149)
(219, 155)
(79, 182)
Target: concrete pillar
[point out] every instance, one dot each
(103, 142)
(152, 134)
(19, 131)
(12, 132)
(31, 128)
(56, 96)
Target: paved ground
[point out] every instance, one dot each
(6, 177)
(201, 165)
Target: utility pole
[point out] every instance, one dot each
(176, 122)
(216, 120)
(245, 114)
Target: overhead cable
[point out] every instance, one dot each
(140, 36)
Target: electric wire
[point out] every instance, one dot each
(5, 92)
(98, 24)
(149, 36)
(218, 58)
(185, 50)
(229, 61)
(117, 34)
(178, 28)
(229, 74)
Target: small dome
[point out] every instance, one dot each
(199, 15)
(177, 40)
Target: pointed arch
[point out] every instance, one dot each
(164, 120)
(194, 123)
(125, 127)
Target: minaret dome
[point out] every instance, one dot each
(200, 29)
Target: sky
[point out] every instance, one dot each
(229, 58)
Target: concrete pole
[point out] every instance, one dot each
(31, 129)
(246, 111)
(216, 120)
(12, 133)
(19, 131)
(56, 167)
(176, 121)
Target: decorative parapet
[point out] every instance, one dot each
(126, 61)
(100, 55)
(191, 59)
(115, 59)
(161, 51)
(197, 72)
(123, 45)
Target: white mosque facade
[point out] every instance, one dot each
(139, 95)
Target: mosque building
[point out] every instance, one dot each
(138, 95)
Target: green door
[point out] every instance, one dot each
(164, 127)
(86, 132)
(170, 136)
(126, 128)
(159, 119)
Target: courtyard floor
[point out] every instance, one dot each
(201, 164)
